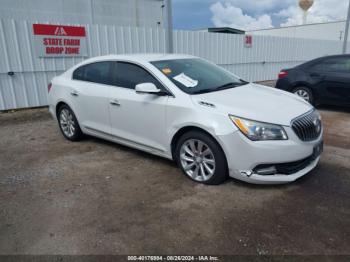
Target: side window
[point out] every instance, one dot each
(342, 65)
(78, 74)
(333, 65)
(129, 75)
(98, 72)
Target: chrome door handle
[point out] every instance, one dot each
(74, 93)
(114, 102)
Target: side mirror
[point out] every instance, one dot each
(148, 88)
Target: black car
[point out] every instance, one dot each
(325, 80)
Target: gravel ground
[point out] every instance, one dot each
(95, 197)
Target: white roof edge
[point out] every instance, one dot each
(282, 27)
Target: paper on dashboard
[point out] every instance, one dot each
(186, 80)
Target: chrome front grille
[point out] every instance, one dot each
(307, 127)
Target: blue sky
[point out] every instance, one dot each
(252, 14)
(192, 14)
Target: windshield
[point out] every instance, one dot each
(197, 76)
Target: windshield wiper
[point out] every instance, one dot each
(229, 85)
(222, 87)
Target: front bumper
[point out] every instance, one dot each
(276, 178)
(244, 155)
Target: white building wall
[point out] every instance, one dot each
(140, 13)
(27, 86)
(326, 31)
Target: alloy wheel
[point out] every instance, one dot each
(197, 160)
(303, 94)
(67, 122)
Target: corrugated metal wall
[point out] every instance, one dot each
(267, 56)
(148, 13)
(335, 31)
(28, 86)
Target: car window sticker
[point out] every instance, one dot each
(186, 80)
(166, 71)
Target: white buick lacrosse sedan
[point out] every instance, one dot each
(211, 122)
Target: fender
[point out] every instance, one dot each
(63, 101)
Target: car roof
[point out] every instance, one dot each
(319, 59)
(137, 58)
(140, 57)
(333, 56)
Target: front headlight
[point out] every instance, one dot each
(257, 131)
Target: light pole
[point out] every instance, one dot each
(346, 30)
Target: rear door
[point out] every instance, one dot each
(333, 77)
(90, 93)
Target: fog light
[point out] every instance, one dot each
(266, 171)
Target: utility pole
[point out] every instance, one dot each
(346, 31)
(169, 27)
(92, 20)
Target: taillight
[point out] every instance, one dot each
(49, 87)
(282, 74)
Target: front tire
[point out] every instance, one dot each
(201, 158)
(68, 124)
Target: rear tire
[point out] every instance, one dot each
(68, 124)
(201, 158)
(305, 93)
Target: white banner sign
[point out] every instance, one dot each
(59, 40)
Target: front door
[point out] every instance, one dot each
(137, 118)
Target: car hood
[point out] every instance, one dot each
(255, 102)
